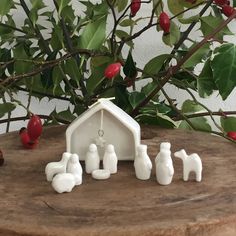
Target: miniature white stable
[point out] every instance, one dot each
(104, 123)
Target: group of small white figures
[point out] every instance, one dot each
(164, 164)
(68, 172)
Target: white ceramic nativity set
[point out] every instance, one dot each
(106, 133)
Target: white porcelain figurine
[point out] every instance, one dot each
(54, 168)
(142, 163)
(110, 159)
(64, 182)
(164, 167)
(165, 146)
(75, 168)
(190, 163)
(92, 160)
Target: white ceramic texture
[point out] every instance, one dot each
(101, 174)
(63, 183)
(164, 167)
(74, 167)
(142, 163)
(190, 163)
(110, 159)
(92, 160)
(119, 129)
(54, 168)
(163, 145)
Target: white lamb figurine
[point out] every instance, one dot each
(164, 168)
(190, 163)
(64, 182)
(163, 146)
(54, 168)
(74, 167)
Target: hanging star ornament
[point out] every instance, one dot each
(100, 141)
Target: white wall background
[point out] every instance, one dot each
(146, 47)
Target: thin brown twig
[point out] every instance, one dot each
(213, 113)
(47, 117)
(48, 65)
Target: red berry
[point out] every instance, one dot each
(232, 135)
(1, 158)
(228, 10)
(164, 22)
(25, 139)
(221, 2)
(112, 70)
(34, 127)
(135, 6)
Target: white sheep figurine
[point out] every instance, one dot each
(190, 163)
(54, 168)
(64, 182)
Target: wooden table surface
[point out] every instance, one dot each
(122, 205)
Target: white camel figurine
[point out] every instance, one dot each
(190, 163)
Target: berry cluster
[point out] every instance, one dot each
(225, 7)
(29, 137)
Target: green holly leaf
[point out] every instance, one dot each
(135, 98)
(173, 37)
(205, 82)
(155, 64)
(94, 34)
(199, 123)
(210, 23)
(187, 4)
(5, 7)
(57, 42)
(156, 119)
(6, 107)
(127, 23)
(198, 56)
(57, 79)
(175, 7)
(189, 20)
(228, 123)
(65, 115)
(46, 75)
(190, 106)
(121, 5)
(62, 4)
(224, 69)
(129, 68)
(122, 35)
(72, 69)
(159, 8)
(148, 88)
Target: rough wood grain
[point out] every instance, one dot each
(121, 205)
